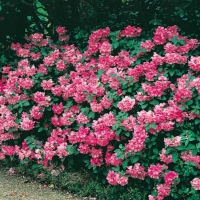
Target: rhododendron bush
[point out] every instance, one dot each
(128, 104)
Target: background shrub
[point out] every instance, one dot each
(126, 107)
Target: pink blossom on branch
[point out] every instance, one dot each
(174, 142)
(169, 177)
(195, 183)
(130, 31)
(126, 104)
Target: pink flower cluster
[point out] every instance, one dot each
(164, 190)
(194, 63)
(195, 183)
(126, 104)
(131, 31)
(154, 171)
(136, 171)
(174, 142)
(115, 178)
(188, 157)
(108, 106)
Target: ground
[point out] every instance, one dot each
(16, 187)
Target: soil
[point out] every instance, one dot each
(18, 187)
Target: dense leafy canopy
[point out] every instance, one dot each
(115, 89)
(27, 16)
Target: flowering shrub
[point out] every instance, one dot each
(129, 106)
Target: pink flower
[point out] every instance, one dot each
(2, 156)
(26, 83)
(188, 157)
(126, 104)
(81, 118)
(36, 112)
(151, 197)
(147, 45)
(58, 109)
(8, 150)
(174, 142)
(163, 190)
(84, 148)
(105, 102)
(96, 107)
(137, 171)
(105, 48)
(41, 99)
(123, 180)
(60, 65)
(169, 177)
(55, 172)
(194, 63)
(47, 84)
(111, 159)
(61, 30)
(36, 37)
(154, 171)
(26, 123)
(137, 143)
(96, 161)
(160, 35)
(114, 178)
(41, 175)
(11, 171)
(129, 123)
(170, 48)
(130, 31)
(165, 158)
(195, 183)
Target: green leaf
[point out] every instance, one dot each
(125, 163)
(20, 110)
(169, 150)
(3, 59)
(134, 159)
(99, 73)
(194, 152)
(130, 90)
(190, 147)
(113, 75)
(40, 129)
(85, 92)
(85, 111)
(71, 119)
(190, 102)
(154, 102)
(175, 40)
(31, 146)
(181, 41)
(69, 103)
(91, 115)
(118, 132)
(153, 126)
(90, 97)
(181, 147)
(26, 103)
(115, 45)
(144, 105)
(127, 134)
(197, 121)
(175, 156)
(155, 151)
(71, 149)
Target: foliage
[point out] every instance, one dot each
(127, 107)
(29, 16)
